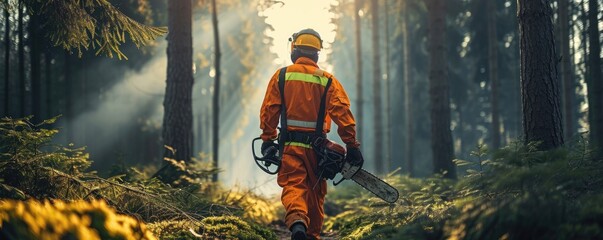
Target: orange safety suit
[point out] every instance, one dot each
(304, 86)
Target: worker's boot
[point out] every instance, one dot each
(298, 231)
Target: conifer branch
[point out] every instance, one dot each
(90, 24)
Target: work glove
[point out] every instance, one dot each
(269, 148)
(354, 157)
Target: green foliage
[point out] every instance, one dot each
(223, 227)
(95, 24)
(30, 163)
(250, 205)
(182, 173)
(171, 230)
(523, 193)
(32, 167)
(61, 220)
(230, 227)
(516, 192)
(423, 208)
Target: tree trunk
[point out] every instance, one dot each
(460, 127)
(7, 63)
(566, 69)
(540, 86)
(36, 84)
(359, 113)
(388, 125)
(68, 97)
(407, 91)
(22, 93)
(493, 72)
(439, 90)
(177, 118)
(378, 111)
(216, 113)
(49, 83)
(595, 87)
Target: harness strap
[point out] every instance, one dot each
(321, 112)
(283, 134)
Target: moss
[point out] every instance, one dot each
(222, 227)
(169, 230)
(61, 220)
(230, 227)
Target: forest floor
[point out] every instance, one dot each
(280, 229)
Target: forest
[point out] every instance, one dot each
(134, 119)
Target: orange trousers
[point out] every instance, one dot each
(302, 201)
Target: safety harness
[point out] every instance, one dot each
(301, 137)
(327, 169)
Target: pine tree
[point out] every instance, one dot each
(177, 118)
(539, 80)
(90, 24)
(595, 86)
(388, 124)
(441, 136)
(568, 85)
(21, 53)
(216, 109)
(34, 53)
(408, 109)
(378, 110)
(359, 113)
(493, 72)
(7, 49)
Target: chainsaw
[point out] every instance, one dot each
(333, 154)
(369, 182)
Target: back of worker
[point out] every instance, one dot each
(303, 192)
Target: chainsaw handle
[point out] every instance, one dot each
(264, 162)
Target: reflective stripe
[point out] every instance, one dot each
(304, 77)
(298, 123)
(298, 144)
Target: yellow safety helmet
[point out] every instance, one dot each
(307, 38)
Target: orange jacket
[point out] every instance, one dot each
(304, 86)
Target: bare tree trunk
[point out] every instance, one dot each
(566, 69)
(7, 63)
(49, 83)
(540, 86)
(21, 51)
(595, 87)
(359, 113)
(216, 113)
(378, 110)
(439, 90)
(388, 126)
(177, 119)
(493, 71)
(36, 84)
(68, 97)
(407, 91)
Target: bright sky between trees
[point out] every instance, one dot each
(296, 15)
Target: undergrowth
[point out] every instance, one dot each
(516, 192)
(33, 167)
